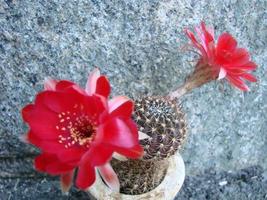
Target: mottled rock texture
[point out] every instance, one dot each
(139, 46)
(245, 184)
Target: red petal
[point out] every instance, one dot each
(137, 150)
(98, 155)
(239, 57)
(26, 112)
(51, 146)
(110, 177)
(91, 82)
(41, 120)
(208, 32)
(208, 36)
(192, 38)
(117, 132)
(102, 86)
(63, 85)
(86, 176)
(206, 39)
(66, 181)
(133, 153)
(58, 168)
(226, 42)
(73, 154)
(238, 83)
(195, 42)
(249, 77)
(120, 106)
(43, 160)
(248, 66)
(58, 101)
(33, 138)
(235, 71)
(133, 126)
(50, 164)
(95, 106)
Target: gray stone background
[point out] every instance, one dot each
(139, 46)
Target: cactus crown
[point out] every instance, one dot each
(163, 121)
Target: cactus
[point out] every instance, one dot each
(139, 176)
(163, 121)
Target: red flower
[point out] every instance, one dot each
(225, 58)
(81, 129)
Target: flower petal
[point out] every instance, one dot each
(237, 82)
(207, 36)
(239, 57)
(32, 138)
(119, 156)
(72, 155)
(51, 146)
(249, 77)
(110, 177)
(86, 176)
(226, 42)
(50, 164)
(193, 39)
(58, 168)
(102, 86)
(91, 82)
(248, 66)
(66, 181)
(208, 32)
(43, 160)
(63, 85)
(41, 121)
(98, 155)
(95, 106)
(26, 112)
(56, 101)
(117, 133)
(120, 106)
(133, 153)
(121, 136)
(222, 73)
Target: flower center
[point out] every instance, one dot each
(82, 131)
(76, 130)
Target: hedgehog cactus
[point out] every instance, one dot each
(163, 123)
(139, 176)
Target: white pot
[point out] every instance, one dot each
(167, 190)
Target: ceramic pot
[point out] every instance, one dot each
(166, 190)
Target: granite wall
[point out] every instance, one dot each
(139, 46)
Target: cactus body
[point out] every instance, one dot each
(163, 121)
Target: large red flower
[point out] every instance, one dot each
(225, 58)
(81, 129)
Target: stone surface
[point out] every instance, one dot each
(138, 45)
(249, 183)
(246, 184)
(30, 189)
